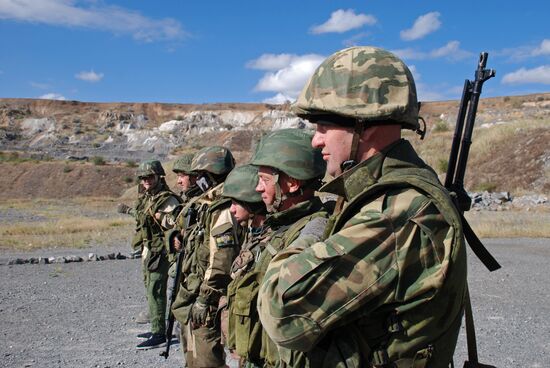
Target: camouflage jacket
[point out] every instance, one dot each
(210, 246)
(160, 201)
(387, 284)
(246, 335)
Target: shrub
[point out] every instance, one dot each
(97, 145)
(442, 165)
(67, 169)
(131, 163)
(98, 160)
(128, 179)
(440, 126)
(486, 187)
(506, 99)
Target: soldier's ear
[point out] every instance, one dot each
(293, 185)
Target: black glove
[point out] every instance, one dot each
(122, 208)
(199, 312)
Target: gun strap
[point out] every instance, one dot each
(470, 329)
(477, 246)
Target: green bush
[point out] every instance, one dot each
(128, 179)
(98, 160)
(67, 169)
(440, 126)
(131, 163)
(486, 187)
(442, 165)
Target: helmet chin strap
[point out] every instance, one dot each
(351, 162)
(279, 196)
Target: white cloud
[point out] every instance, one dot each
(539, 75)
(410, 54)
(90, 76)
(278, 99)
(39, 85)
(543, 49)
(286, 74)
(53, 96)
(271, 61)
(342, 21)
(450, 51)
(423, 25)
(99, 16)
(355, 40)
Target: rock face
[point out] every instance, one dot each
(120, 132)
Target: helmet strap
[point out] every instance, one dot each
(206, 181)
(279, 196)
(358, 130)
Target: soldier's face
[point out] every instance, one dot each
(186, 181)
(335, 145)
(266, 184)
(149, 182)
(241, 214)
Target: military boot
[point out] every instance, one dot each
(155, 341)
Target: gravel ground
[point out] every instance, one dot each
(82, 314)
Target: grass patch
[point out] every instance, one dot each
(98, 160)
(510, 224)
(75, 223)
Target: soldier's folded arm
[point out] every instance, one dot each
(167, 212)
(307, 292)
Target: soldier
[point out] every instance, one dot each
(156, 213)
(289, 171)
(187, 179)
(249, 211)
(386, 287)
(210, 245)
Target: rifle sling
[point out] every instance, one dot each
(477, 246)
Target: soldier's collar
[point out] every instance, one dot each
(294, 213)
(363, 175)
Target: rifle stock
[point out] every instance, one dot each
(189, 220)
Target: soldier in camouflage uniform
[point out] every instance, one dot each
(290, 171)
(186, 179)
(155, 214)
(210, 245)
(249, 211)
(386, 287)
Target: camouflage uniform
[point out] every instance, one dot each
(210, 245)
(164, 202)
(386, 287)
(288, 151)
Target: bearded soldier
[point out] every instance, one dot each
(156, 213)
(210, 245)
(289, 172)
(386, 287)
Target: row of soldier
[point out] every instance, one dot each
(283, 279)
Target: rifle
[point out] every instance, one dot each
(190, 218)
(454, 182)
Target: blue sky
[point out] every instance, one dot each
(184, 51)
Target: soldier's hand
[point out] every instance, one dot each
(157, 216)
(177, 244)
(122, 208)
(199, 312)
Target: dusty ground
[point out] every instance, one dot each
(81, 315)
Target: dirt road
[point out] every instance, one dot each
(81, 314)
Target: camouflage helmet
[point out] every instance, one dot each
(360, 84)
(290, 151)
(183, 164)
(241, 184)
(215, 160)
(150, 167)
